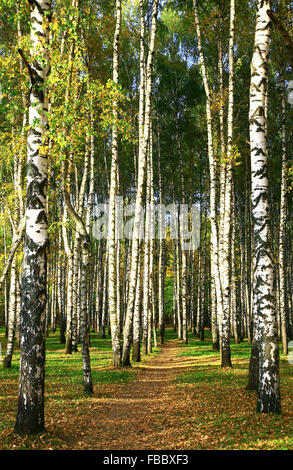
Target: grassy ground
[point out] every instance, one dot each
(64, 397)
(221, 408)
(213, 410)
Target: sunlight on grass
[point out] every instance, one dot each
(64, 385)
(222, 409)
(213, 410)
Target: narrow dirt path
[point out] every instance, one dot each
(138, 413)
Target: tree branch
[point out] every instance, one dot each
(25, 61)
(284, 34)
(77, 219)
(16, 243)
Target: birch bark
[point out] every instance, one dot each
(112, 249)
(212, 168)
(283, 225)
(143, 147)
(264, 301)
(30, 414)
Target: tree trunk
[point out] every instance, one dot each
(283, 226)
(84, 330)
(112, 250)
(268, 384)
(30, 414)
(143, 147)
(11, 316)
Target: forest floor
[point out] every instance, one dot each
(176, 398)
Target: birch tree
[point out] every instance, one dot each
(212, 168)
(268, 377)
(143, 148)
(283, 223)
(114, 311)
(226, 211)
(30, 414)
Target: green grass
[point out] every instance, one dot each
(214, 375)
(221, 412)
(214, 411)
(64, 385)
(195, 347)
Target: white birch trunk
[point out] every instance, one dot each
(139, 191)
(112, 250)
(30, 415)
(212, 168)
(283, 226)
(264, 301)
